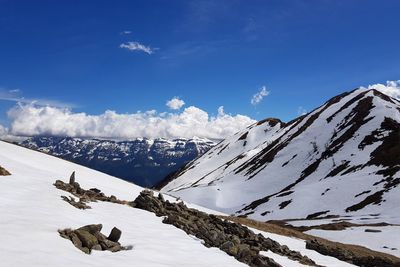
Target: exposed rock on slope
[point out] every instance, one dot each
(89, 237)
(4, 172)
(142, 161)
(341, 158)
(233, 238)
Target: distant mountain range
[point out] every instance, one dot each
(343, 158)
(142, 161)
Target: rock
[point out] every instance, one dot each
(95, 190)
(161, 197)
(107, 244)
(91, 228)
(230, 248)
(72, 178)
(264, 262)
(115, 248)
(233, 238)
(77, 186)
(100, 237)
(75, 240)
(372, 231)
(84, 196)
(88, 240)
(245, 253)
(77, 204)
(85, 249)
(4, 172)
(97, 247)
(115, 234)
(89, 237)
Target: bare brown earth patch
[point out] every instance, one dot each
(358, 255)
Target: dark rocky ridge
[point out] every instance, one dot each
(142, 161)
(233, 238)
(349, 256)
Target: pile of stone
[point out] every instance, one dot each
(89, 237)
(83, 195)
(4, 172)
(233, 238)
(80, 204)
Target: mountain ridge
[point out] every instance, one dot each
(130, 160)
(267, 170)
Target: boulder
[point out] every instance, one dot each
(230, 248)
(88, 240)
(115, 234)
(72, 178)
(89, 237)
(92, 228)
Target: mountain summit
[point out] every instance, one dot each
(342, 158)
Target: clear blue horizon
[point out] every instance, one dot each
(130, 56)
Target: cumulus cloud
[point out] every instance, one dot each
(175, 103)
(392, 88)
(29, 120)
(136, 46)
(258, 97)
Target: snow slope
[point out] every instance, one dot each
(32, 211)
(342, 158)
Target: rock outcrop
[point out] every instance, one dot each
(89, 237)
(359, 259)
(84, 196)
(233, 238)
(4, 172)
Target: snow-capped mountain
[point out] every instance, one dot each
(343, 158)
(142, 161)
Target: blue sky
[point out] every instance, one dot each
(207, 53)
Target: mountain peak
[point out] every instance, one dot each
(343, 155)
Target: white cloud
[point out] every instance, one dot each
(5, 135)
(136, 46)
(126, 32)
(14, 95)
(301, 111)
(175, 103)
(29, 120)
(3, 131)
(392, 88)
(257, 98)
